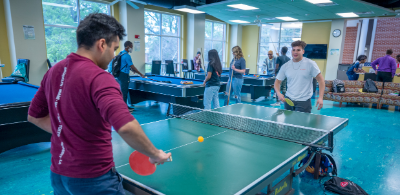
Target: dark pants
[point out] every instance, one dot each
(300, 106)
(124, 80)
(109, 183)
(384, 77)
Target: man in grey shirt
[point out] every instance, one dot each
(299, 73)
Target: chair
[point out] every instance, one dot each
(185, 67)
(170, 67)
(247, 71)
(156, 67)
(371, 76)
(12, 79)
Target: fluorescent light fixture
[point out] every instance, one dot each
(56, 5)
(347, 15)
(239, 21)
(287, 18)
(188, 9)
(242, 6)
(319, 1)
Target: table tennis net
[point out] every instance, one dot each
(287, 132)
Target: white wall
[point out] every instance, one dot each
(235, 35)
(195, 34)
(30, 13)
(133, 21)
(335, 43)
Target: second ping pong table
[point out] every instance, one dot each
(228, 161)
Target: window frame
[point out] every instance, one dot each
(78, 4)
(179, 37)
(223, 41)
(279, 42)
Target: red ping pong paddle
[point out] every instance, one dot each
(141, 165)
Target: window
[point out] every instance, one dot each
(214, 39)
(162, 36)
(61, 19)
(274, 36)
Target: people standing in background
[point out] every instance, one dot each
(398, 61)
(197, 62)
(212, 80)
(300, 72)
(126, 65)
(280, 61)
(269, 63)
(236, 72)
(356, 68)
(387, 67)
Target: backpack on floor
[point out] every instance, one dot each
(327, 164)
(370, 87)
(343, 186)
(116, 65)
(335, 83)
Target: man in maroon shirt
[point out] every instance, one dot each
(78, 102)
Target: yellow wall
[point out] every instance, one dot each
(250, 36)
(317, 33)
(4, 52)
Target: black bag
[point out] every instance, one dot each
(343, 186)
(116, 65)
(340, 88)
(370, 86)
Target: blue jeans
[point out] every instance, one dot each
(109, 183)
(353, 77)
(236, 88)
(211, 97)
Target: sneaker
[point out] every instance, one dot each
(276, 104)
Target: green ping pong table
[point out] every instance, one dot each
(227, 161)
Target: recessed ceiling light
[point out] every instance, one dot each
(319, 1)
(239, 21)
(188, 9)
(347, 15)
(287, 18)
(242, 6)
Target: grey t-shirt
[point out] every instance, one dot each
(299, 78)
(239, 64)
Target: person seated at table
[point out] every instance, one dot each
(269, 63)
(212, 81)
(356, 68)
(197, 62)
(236, 72)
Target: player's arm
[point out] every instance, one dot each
(242, 66)
(38, 113)
(321, 83)
(277, 88)
(134, 69)
(134, 136)
(208, 77)
(43, 123)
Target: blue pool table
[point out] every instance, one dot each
(142, 89)
(256, 86)
(15, 130)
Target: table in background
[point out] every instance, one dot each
(1, 72)
(228, 161)
(256, 86)
(142, 89)
(15, 130)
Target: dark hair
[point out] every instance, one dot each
(127, 43)
(299, 43)
(214, 61)
(284, 50)
(98, 26)
(361, 57)
(398, 56)
(389, 52)
(198, 52)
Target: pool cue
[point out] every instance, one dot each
(230, 84)
(202, 58)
